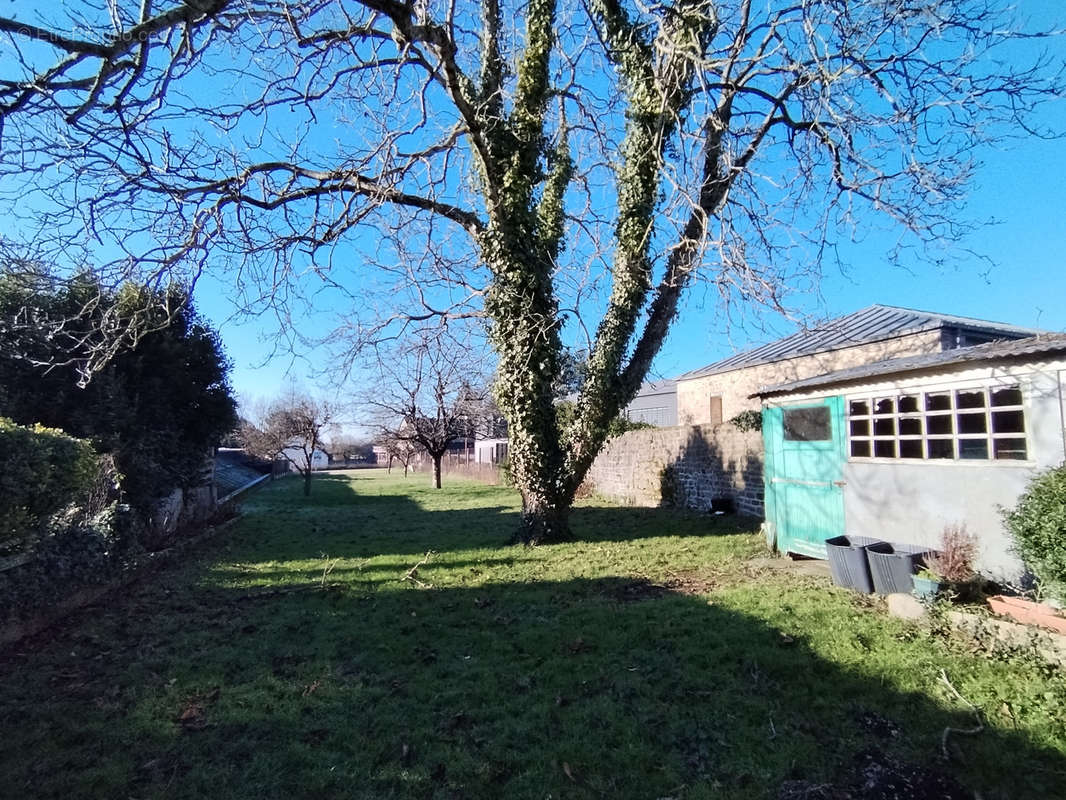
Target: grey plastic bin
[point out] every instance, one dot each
(892, 565)
(848, 563)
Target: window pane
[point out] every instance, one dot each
(910, 448)
(1008, 396)
(908, 404)
(860, 449)
(885, 427)
(973, 448)
(1008, 422)
(938, 402)
(1009, 448)
(808, 424)
(910, 426)
(941, 448)
(885, 405)
(859, 408)
(939, 425)
(860, 427)
(972, 423)
(884, 448)
(970, 399)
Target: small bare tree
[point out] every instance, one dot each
(428, 395)
(291, 427)
(400, 450)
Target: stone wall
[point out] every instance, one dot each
(688, 466)
(184, 507)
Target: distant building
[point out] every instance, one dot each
(295, 455)
(655, 404)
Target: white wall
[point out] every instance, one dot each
(912, 501)
(319, 459)
(485, 450)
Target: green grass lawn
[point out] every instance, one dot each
(658, 655)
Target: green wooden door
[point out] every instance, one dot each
(804, 473)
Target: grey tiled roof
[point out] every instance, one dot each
(657, 387)
(872, 324)
(1042, 345)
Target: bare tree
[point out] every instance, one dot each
(430, 395)
(293, 428)
(532, 162)
(400, 450)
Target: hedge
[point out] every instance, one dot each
(42, 472)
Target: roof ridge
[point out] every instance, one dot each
(872, 323)
(1044, 343)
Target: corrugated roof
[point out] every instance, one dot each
(657, 387)
(1044, 344)
(872, 324)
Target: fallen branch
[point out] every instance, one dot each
(965, 731)
(412, 574)
(327, 569)
(267, 591)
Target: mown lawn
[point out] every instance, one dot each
(659, 655)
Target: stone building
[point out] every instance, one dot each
(719, 391)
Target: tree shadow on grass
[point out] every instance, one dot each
(585, 688)
(357, 519)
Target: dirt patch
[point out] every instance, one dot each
(636, 589)
(692, 583)
(875, 776)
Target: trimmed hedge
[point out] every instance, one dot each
(42, 472)
(1038, 525)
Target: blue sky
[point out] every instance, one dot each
(1016, 274)
(1010, 270)
(1018, 191)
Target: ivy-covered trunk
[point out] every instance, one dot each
(544, 520)
(525, 175)
(529, 354)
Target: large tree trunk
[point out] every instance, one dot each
(307, 483)
(436, 470)
(544, 521)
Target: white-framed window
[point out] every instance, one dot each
(983, 423)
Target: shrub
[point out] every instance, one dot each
(565, 411)
(42, 472)
(620, 425)
(749, 420)
(1038, 526)
(954, 561)
(69, 557)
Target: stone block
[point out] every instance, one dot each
(906, 606)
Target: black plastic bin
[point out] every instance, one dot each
(892, 565)
(847, 561)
